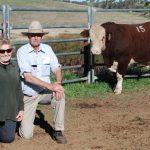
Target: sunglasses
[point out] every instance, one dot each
(2, 51)
(36, 34)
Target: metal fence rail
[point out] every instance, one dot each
(50, 27)
(10, 27)
(96, 10)
(122, 10)
(48, 9)
(4, 21)
(56, 41)
(1, 25)
(76, 80)
(10, 9)
(89, 72)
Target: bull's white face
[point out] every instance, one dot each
(98, 38)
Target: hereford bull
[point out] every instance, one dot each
(120, 45)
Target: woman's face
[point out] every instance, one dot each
(5, 53)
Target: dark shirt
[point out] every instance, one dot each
(11, 97)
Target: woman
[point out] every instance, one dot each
(11, 98)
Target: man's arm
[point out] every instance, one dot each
(57, 89)
(34, 80)
(58, 75)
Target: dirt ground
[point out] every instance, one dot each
(111, 123)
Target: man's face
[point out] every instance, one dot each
(35, 39)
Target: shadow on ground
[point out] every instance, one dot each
(42, 123)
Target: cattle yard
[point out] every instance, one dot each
(111, 123)
(9, 14)
(104, 122)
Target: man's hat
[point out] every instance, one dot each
(35, 27)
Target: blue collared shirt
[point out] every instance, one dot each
(39, 64)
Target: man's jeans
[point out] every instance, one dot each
(30, 105)
(7, 131)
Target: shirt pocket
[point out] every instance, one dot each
(34, 69)
(45, 69)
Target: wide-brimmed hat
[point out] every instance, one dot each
(35, 27)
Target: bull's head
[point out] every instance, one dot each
(98, 37)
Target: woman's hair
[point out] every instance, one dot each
(7, 42)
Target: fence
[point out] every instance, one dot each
(89, 72)
(98, 10)
(1, 27)
(7, 28)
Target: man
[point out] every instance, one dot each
(36, 60)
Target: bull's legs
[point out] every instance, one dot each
(118, 87)
(113, 68)
(121, 70)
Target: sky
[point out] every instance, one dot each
(82, 0)
(78, 0)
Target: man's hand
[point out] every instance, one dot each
(58, 91)
(56, 88)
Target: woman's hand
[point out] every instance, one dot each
(19, 117)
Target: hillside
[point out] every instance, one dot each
(40, 4)
(62, 18)
(59, 18)
(24, 18)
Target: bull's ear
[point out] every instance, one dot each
(85, 33)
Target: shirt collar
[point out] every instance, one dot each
(30, 48)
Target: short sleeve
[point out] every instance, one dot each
(22, 61)
(53, 60)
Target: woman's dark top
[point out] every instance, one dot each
(11, 97)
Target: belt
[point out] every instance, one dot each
(27, 95)
(42, 92)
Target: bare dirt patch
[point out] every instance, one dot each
(112, 123)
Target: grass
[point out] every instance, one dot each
(137, 83)
(100, 90)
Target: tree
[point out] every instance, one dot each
(93, 2)
(118, 3)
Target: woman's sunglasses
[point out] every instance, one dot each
(2, 51)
